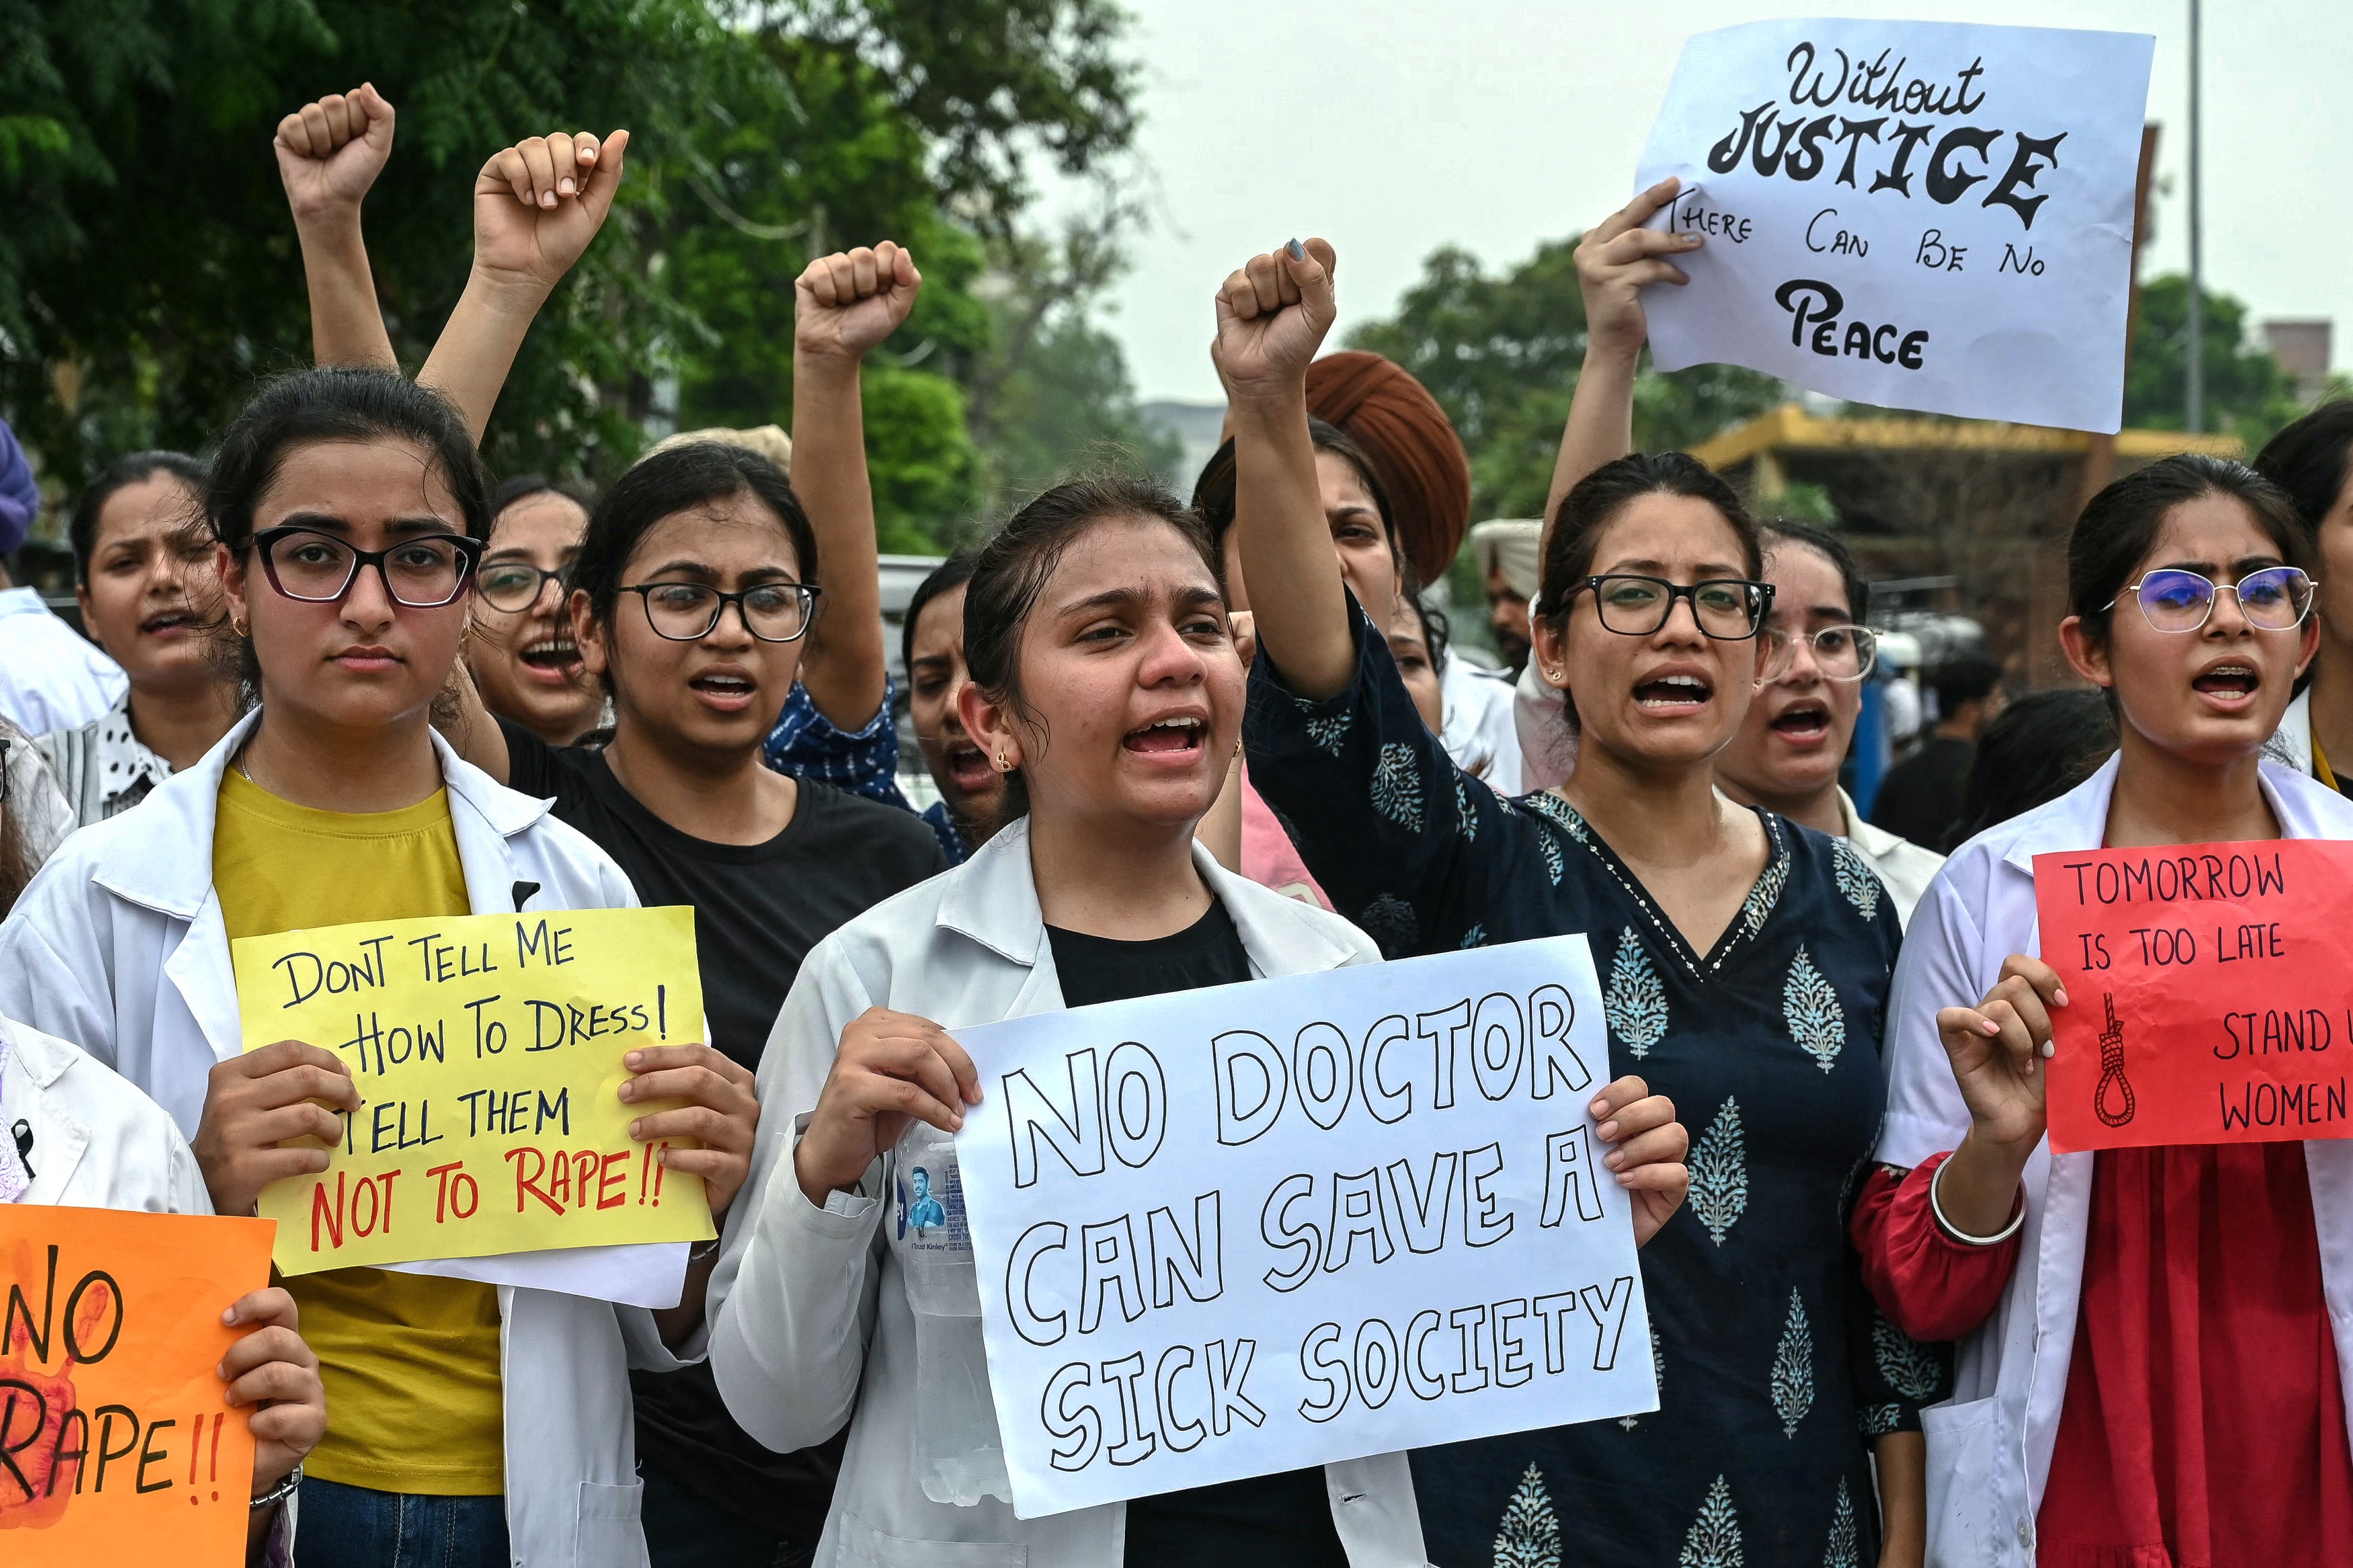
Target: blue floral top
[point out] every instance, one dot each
(808, 745)
(1774, 1370)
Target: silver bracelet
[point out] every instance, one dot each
(701, 1251)
(1962, 1236)
(282, 1491)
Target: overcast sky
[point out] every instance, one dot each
(1394, 126)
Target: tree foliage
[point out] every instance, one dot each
(149, 273)
(1500, 353)
(2247, 393)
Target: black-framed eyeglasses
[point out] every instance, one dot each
(1840, 653)
(1730, 609)
(2275, 599)
(689, 612)
(516, 584)
(424, 573)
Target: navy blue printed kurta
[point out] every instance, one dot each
(1774, 1371)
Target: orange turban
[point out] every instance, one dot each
(1414, 450)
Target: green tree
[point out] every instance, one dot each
(1500, 353)
(2247, 393)
(148, 271)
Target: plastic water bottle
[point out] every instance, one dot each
(959, 1454)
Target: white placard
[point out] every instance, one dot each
(1229, 1232)
(1918, 215)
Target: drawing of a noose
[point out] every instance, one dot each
(2112, 1072)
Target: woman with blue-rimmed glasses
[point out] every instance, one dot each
(2134, 1325)
(1745, 961)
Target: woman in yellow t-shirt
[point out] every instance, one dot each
(485, 1422)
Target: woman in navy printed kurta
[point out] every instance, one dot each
(1773, 1369)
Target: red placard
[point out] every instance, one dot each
(2209, 998)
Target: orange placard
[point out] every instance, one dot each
(2208, 999)
(116, 1445)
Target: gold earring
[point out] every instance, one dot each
(1238, 745)
(1002, 765)
(239, 627)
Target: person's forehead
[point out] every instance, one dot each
(359, 480)
(1143, 554)
(156, 504)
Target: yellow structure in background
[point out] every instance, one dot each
(1766, 440)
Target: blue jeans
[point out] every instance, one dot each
(351, 1527)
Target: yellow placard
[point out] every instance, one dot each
(488, 1053)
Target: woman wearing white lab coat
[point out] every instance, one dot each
(2127, 1333)
(1105, 682)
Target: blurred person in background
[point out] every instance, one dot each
(1920, 799)
(520, 648)
(2042, 746)
(1506, 549)
(972, 804)
(49, 677)
(1788, 754)
(149, 582)
(34, 816)
(2307, 459)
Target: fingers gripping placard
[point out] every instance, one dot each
(116, 1443)
(1919, 214)
(2209, 1001)
(1239, 1231)
(488, 1054)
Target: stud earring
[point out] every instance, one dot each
(1002, 765)
(1238, 746)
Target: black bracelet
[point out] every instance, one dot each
(284, 1488)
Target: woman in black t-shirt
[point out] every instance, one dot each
(690, 599)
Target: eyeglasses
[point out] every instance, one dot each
(1730, 609)
(423, 573)
(2275, 599)
(1840, 653)
(516, 585)
(689, 612)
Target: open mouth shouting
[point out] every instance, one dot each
(554, 659)
(1179, 738)
(967, 766)
(1803, 723)
(170, 626)
(2230, 685)
(724, 688)
(1670, 695)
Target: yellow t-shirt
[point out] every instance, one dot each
(410, 1361)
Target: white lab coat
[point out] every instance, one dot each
(119, 946)
(90, 1140)
(1989, 1446)
(1477, 730)
(51, 677)
(812, 1323)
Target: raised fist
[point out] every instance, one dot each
(848, 302)
(330, 151)
(1271, 317)
(539, 203)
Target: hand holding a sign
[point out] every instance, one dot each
(1272, 314)
(1996, 1048)
(892, 1068)
(1647, 1145)
(721, 1113)
(253, 1104)
(273, 1370)
(1617, 260)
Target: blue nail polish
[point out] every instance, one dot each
(1298, 251)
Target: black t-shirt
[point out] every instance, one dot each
(758, 910)
(1920, 798)
(1284, 1518)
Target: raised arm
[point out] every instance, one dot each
(329, 154)
(844, 305)
(1271, 317)
(536, 207)
(1616, 260)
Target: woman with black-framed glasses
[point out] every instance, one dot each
(1743, 960)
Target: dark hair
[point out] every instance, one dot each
(945, 578)
(523, 487)
(2306, 460)
(17, 863)
(339, 404)
(1214, 491)
(2119, 527)
(2036, 750)
(1834, 549)
(81, 531)
(1014, 565)
(667, 483)
(1968, 678)
(1600, 496)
